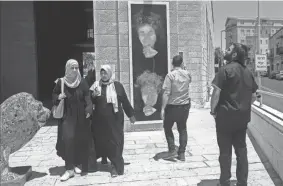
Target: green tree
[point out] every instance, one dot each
(218, 58)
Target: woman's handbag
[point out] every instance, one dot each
(58, 110)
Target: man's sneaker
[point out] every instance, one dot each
(181, 157)
(171, 155)
(67, 175)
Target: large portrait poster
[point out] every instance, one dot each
(149, 54)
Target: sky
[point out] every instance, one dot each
(224, 9)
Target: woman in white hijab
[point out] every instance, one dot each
(110, 101)
(73, 129)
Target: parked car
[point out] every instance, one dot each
(264, 74)
(279, 76)
(272, 75)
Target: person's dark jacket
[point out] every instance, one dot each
(91, 77)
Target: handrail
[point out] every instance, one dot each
(261, 106)
(269, 110)
(271, 94)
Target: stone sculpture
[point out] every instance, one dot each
(21, 117)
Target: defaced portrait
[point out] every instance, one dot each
(149, 58)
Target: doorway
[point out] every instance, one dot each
(60, 26)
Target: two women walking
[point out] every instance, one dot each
(107, 126)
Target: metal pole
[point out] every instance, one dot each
(220, 63)
(221, 39)
(258, 49)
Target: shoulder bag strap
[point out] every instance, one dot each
(62, 85)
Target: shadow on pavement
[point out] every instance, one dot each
(214, 183)
(163, 155)
(104, 167)
(59, 170)
(35, 175)
(51, 121)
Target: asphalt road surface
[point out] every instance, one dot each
(275, 86)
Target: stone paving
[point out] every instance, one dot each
(201, 167)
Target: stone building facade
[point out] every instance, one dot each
(37, 38)
(276, 51)
(191, 33)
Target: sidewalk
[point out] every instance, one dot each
(200, 169)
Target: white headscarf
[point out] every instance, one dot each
(111, 94)
(72, 77)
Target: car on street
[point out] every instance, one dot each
(279, 76)
(272, 75)
(264, 74)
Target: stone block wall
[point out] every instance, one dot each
(207, 44)
(195, 36)
(187, 34)
(267, 131)
(189, 42)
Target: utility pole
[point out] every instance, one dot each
(258, 48)
(221, 50)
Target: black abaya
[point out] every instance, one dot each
(74, 128)
(108, 126)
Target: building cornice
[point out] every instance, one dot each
(251, 19)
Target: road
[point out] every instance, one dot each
(275, 86)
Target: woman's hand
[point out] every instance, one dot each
(132, 120)
(61, 96)
(162, 114)
(88, 111)
(88, 115)
(95, 93)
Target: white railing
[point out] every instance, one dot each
(259, 103)
(271, 94)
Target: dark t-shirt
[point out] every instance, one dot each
(91, 76)
(237, 85)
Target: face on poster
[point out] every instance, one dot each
(149, 57)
